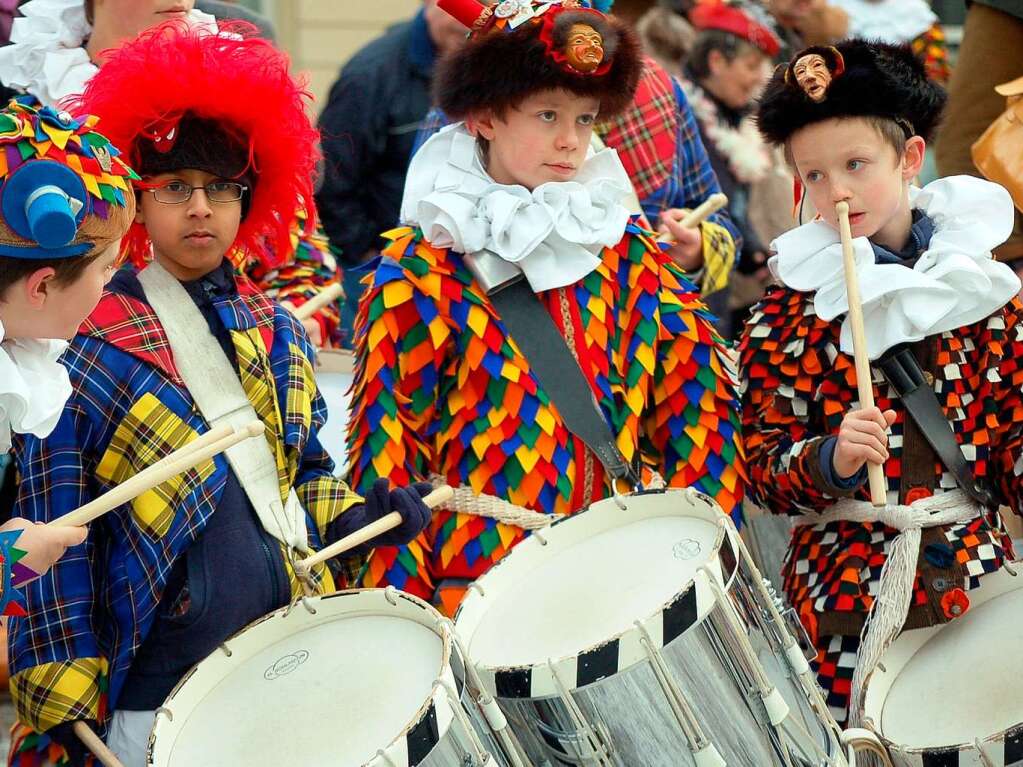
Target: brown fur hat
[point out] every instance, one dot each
(498, 68)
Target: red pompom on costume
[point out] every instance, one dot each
(232, 78)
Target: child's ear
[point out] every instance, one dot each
(483, 124)
(913, 157)
(140, 217)
(38, 287)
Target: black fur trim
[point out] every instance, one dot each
(880, 80)
(499, 69)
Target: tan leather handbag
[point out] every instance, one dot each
(998, 153)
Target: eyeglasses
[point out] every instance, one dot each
(177, 192)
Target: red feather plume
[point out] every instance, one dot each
(231, 76)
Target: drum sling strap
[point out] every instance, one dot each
(215, 388)
(559, 373)
(902, 370)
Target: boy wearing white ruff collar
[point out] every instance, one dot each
(943, 336)
(510, 202)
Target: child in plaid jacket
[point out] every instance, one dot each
(65, 204)
(217, 127)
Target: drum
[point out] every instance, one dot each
(334, 380)
(949, 694)
(638, 633)
(354, 678)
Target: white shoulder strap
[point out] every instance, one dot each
(214, 385)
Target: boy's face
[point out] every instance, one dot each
(543, 139)
(37, 307)
(848, 159)
(189, 238)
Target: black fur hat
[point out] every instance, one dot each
(498, 68)
(869, 79)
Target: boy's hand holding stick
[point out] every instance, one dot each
(697, 216)
(442, 494)
(875, 471)
(199, 450)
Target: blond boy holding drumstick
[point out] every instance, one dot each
(939, 314)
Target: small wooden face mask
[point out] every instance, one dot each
(584, 48)
(813, 76)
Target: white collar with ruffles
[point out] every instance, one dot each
(554, 233)
(955, 282)
(47, 56)
(34, 387)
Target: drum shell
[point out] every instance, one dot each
(631, 710)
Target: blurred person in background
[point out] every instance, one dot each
(367, 130)
(991, 54)
(726, 69)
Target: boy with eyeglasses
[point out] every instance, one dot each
(165, 580)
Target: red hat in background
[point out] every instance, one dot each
(731, 18)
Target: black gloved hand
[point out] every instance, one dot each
(381, 500)
(64, 735)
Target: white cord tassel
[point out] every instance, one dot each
(895, 591)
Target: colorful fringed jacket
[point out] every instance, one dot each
(87, 618)
(440, 388)
(798, 386)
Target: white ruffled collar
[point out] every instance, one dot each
(47, 56)
(890, 21)
(955, 282)
(554, 234)
(34, 387)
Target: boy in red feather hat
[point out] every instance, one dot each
(218, 130)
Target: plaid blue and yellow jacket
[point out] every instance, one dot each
(89, 615)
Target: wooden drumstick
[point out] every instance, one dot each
(317, 302)
(442, 494)
(98, 748)
(169, 467)
(864, 386)
(215, 434)
(701, 213)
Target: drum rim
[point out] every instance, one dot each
(688, 607)
(396, 751)
(901, 652)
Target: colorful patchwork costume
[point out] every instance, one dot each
(442, 389)
(945, 299)
(162, 581)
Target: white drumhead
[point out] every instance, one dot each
(330, 688)
(334, 380)
(598, 573)
(962, 683)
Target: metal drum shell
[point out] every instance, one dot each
(626, 704)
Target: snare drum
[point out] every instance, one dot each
(334, 380)
(353, 678)
(950, 694)
(636, 635)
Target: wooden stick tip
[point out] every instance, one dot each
(842, 208)
(253, 429)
